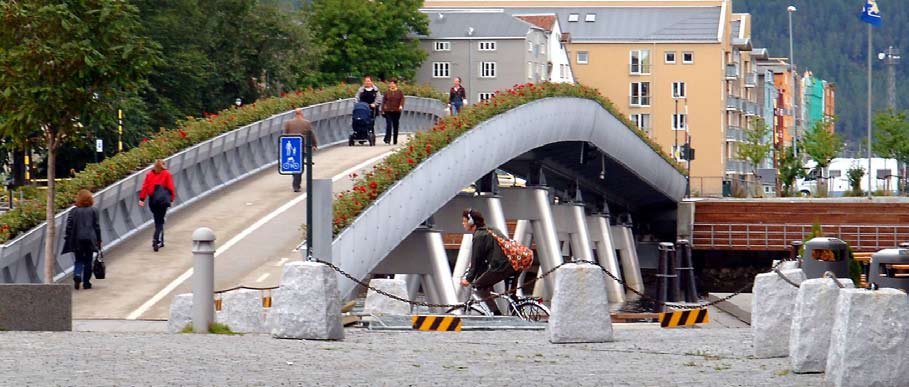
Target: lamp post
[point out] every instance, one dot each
(795, 129)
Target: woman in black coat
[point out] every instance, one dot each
(83, 237)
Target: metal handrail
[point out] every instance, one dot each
(779, 236)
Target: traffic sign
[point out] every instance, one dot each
(290, 160)
(99, 145)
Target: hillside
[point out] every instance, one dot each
(831, 41)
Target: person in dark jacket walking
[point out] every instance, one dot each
(488, 263)
(158, 187)
(392, 106)
(82, 238)
(457, 97)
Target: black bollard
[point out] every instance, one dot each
(666, 249)
(686, 270)
(794, 250)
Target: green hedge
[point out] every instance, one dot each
(166, 143)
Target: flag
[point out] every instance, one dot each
(871, 14)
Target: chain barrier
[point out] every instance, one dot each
(779, 273)
(244, 287)
(829, 274)
(433, 305)
(672, 304)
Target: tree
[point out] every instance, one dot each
(822, 145)
(756, 145)
(368, 37)
(61, 61)
(855, 174)
(790, 168)
(891, 130)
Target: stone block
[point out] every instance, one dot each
(785, 265)
(307, 305)
(812, 320)
(869, 345)
(580, 308)
(379, 304)
(771, 312)
(181, 312)
(242, 311)
(36, 307)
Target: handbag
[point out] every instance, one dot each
(99, 269)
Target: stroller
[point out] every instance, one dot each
(363, 125)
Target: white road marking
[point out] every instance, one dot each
(263, 277)
(243, 234)
(281, 262)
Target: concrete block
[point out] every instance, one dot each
(379, 304)
(307, 305)
(580, 308)
(36, 307)
(868, 344)
(181, 312)
(812, 320)
(242, 311)
(771, 312)
(785, 265)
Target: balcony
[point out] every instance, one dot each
(751, 79)
(735, 133)
(751, 108)
(732, 71)
(733, 103)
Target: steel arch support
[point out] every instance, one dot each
(601, 236)
(631, 267)
(423, 253)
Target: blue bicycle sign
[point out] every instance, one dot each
(290, 159)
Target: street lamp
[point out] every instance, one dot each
(795, 129)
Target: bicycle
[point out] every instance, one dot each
(527, 308)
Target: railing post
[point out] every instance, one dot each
(203, 279)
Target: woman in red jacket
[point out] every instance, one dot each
(159, 189)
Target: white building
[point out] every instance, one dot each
(559, 65)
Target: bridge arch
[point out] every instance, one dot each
(379, 228)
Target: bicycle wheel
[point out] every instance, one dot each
(469, 310)
(532, 310)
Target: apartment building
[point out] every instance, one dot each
(489, 49)
(680, 69)
(818, 100)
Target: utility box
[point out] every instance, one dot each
(890, 269)
(826, 254)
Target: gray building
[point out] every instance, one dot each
(489, 49)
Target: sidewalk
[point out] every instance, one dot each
(642, 355)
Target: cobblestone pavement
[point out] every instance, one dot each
(642, 355)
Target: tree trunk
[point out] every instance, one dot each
(50, 252)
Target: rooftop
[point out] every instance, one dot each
(454, 24)
(636, 24)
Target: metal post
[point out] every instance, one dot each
(795, 129)
(309, 207)
(662, 276)
(673, 275)
(119, 130)
(869, 111)
(203, 279)
(686, 270)
(320, 226)
(794, 250)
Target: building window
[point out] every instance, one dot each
(641, 120)
(679, 121)
(573, 17)
(443, 46)
(488, 70)
(529, 70)
(484, 96)
(582, 57)
(670, 57)
(536, 49)
(640, 61)
(487, 46)
(640, 94)
(590, 17)
(687, 57)
(441, 69)
(563, 71)
(529, 46)
(678, 90)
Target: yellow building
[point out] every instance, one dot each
(675, 67)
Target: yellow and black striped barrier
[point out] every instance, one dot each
(683, 318)
(436, 323)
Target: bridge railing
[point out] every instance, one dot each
(778, 237)
(198, 172)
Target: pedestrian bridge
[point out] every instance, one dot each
(579, 161)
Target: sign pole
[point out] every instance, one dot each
(309, 209)
(869, 111)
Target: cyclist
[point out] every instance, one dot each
(488, 264)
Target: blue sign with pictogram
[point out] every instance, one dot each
(290, 160)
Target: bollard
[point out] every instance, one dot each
(666, 250)
(794, 250)
(686, 270)
(203, 279)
